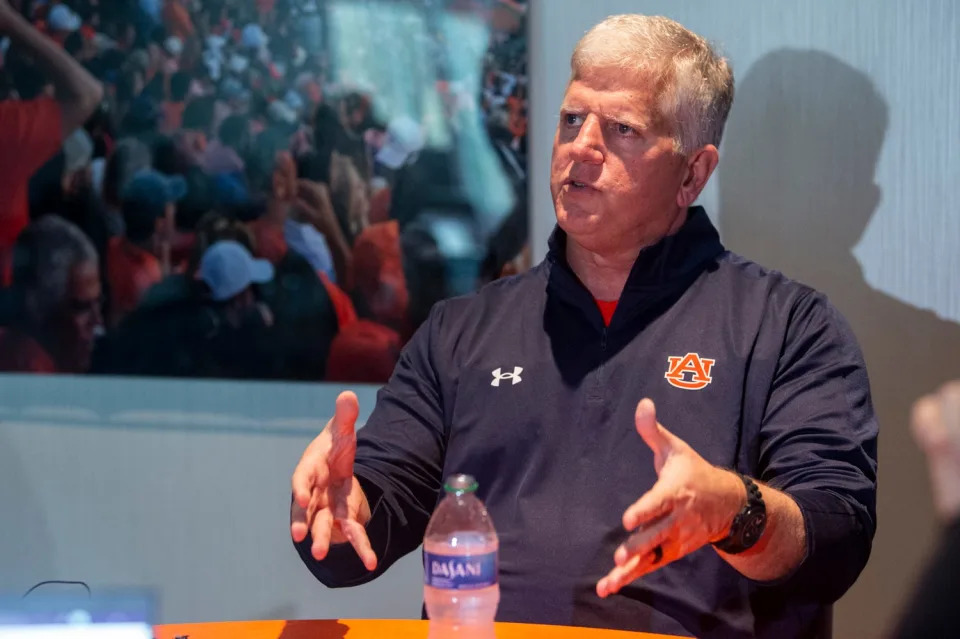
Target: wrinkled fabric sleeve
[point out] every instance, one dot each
(818, 444)
(399, 463)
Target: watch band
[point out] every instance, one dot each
(750, 522)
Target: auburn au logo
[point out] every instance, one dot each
(690, 372)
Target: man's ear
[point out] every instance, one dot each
(700, 166)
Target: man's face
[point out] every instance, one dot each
(615, 174)
(80, 318)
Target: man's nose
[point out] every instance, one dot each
(588, 146)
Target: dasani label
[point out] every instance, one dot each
(460, 573)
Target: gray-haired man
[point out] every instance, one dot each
(56, 300)
(746, 513)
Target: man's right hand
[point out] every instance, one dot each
(327, 499)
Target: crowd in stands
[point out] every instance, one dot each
(194, 188)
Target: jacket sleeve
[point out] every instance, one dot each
(399, 464)
(818, 444)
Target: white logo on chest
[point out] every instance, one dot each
(499, 375)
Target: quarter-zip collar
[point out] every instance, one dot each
(659, 275)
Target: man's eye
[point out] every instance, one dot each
(624, 129)
(572, 119)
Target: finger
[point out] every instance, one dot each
(653, 504)
(302, 480)
(656, 436)
(636, 567)
(310, 473)
(644, 540)
(345, 417)
(298, 522)
(613, 581)
(322, 528)
(357, 536)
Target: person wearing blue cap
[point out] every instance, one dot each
(142, 258)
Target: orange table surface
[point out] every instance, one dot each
(370, 629)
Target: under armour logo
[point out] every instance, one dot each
(500, 375)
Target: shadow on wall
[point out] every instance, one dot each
(797, 191)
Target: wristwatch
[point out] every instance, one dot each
(749, 523)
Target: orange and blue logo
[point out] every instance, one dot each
(690, 372)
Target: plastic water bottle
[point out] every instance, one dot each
(461, 589)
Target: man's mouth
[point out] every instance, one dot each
(577, 185)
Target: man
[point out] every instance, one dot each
(56, 291)
(33, 130)
(745, 513)
(141, 258)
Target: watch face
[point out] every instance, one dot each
(753, 525)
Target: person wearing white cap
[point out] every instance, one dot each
(62, 18)
(229, 271)
(32, 131)
(77, 154)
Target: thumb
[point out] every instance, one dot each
(656, 436)
(345, 416)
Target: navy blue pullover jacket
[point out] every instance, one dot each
(524, 387)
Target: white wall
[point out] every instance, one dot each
(100, 481)
(809, 183)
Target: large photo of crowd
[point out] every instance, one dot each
(258, 189)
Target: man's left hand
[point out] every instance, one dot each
(692, 504)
